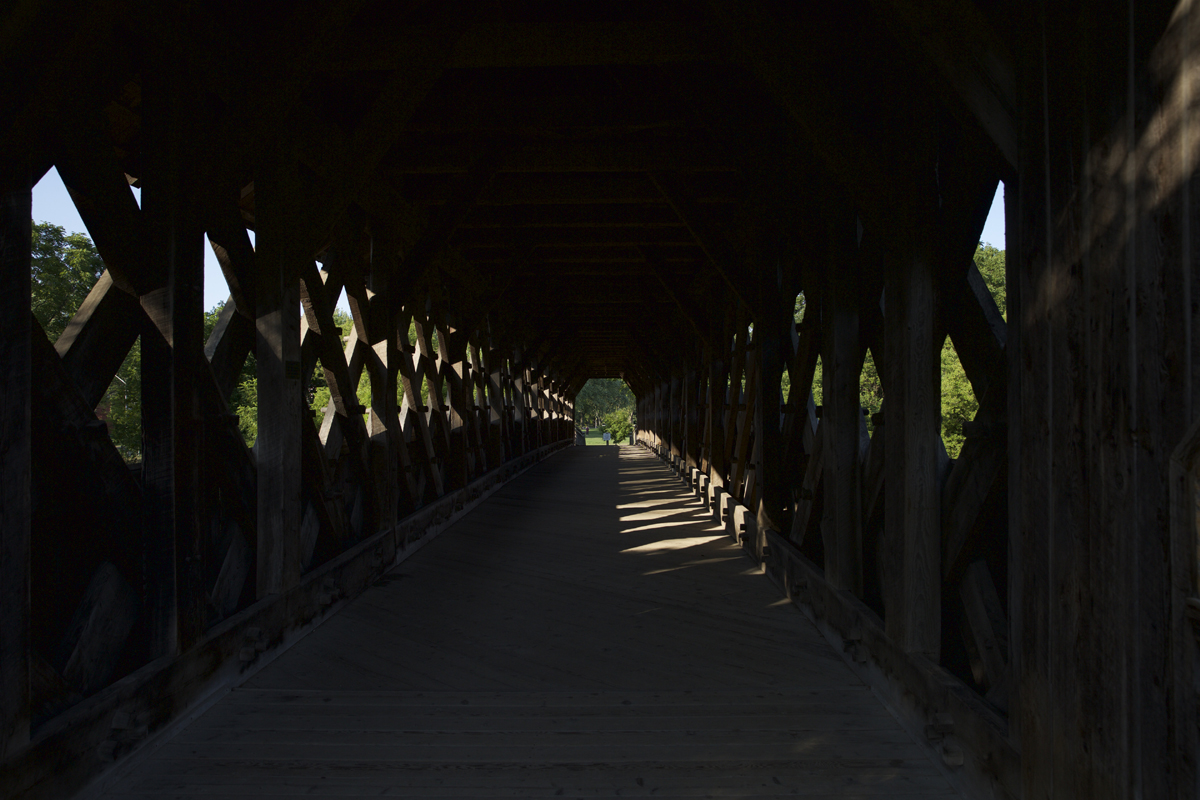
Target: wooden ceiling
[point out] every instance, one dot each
(595, 175)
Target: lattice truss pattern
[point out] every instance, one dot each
(358, 470)
(816, 478)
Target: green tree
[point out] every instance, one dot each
(600, 397)
(243, 400)
(65, 268)
(990, 263)
(121, 406)
(619, 423)
(959, 403)
(958, 400)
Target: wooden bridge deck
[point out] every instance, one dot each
(585, 632)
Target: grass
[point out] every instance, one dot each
(595, 437)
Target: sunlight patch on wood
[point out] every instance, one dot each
(667, 545)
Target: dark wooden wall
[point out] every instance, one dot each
(1056, 556)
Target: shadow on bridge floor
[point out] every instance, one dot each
(585, 632)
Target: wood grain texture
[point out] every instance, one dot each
(278, 447)
(586, 630)
(841, 417)
(16, 451)
(1104, 364)
(912, 508)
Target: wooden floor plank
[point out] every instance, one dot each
(585, 632)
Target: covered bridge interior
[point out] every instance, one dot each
(558, 192)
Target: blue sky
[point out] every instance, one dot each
(52, 203)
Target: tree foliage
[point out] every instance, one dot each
(959, 403)
(243, 400)
(65, 268)
(619, 423)
(600, 397)
(990, 262)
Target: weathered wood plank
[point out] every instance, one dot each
(97, 634)
(228, 347)
(383, 362)
(173, 429)
(912, 526)
(981, 72)
(16, 449)
(456, 368)
(745, 427)
(498, 440)
(988, 626)
(235, 253)
(974, 481)
(475, 700)
(841, 363)
(480, 419)
(1103, 267)
(236, 569)
(278, 447)
(97, 339)
(814, 471)
(774, 334)
(734, 393)
(414, 411)
(98, 187)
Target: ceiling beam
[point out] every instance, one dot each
(971, 57)
(537, 44)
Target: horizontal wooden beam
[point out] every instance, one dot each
(441, 155)
(972, 58)
(536, 44)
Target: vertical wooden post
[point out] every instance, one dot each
(383, 359)
(773, 339)
(734, 401)
(524, 415)
(481, 413)
(454, 363)
(278, 357)
(15, 456)
(841, 361)
(912, 591)
(702, 419)
(664, 417)
(496, 428)
(676, 417)
(718, 377)
(690, 438)
(171, 421)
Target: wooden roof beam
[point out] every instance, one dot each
(686, 307)
(793, 77)
(537, 44)
(714, 244)
(972, 58)
(681, 153)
